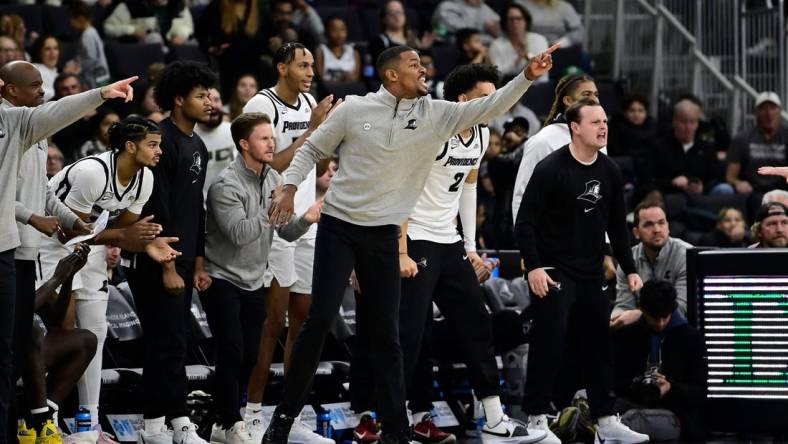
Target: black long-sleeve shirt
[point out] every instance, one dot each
(566, 210)
(177, 200)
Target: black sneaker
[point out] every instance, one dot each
(395, 438)
(279, 429)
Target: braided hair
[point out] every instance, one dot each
(566, 86)
(133, 128)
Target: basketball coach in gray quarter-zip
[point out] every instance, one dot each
(387, 142)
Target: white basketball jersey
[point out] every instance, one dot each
(289, 122)
(432, 218)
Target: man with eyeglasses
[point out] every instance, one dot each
(9, 50)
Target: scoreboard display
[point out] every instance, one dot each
(739, 300)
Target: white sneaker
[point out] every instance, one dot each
(510, 431)
(238, 434)
(163, 436)
(256, 426)
(218, 434)
(610, 430)
(301, 433)
(188, 435)
(539, 422)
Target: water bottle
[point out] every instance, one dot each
(82, 420)
(496, 264)
(369, 67)
(324, 427)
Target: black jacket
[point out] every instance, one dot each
(682, 363)
(670, 161)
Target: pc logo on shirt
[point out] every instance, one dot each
(591, 194)
(411, 124)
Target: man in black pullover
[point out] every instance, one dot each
(163, 292)
(574, 196)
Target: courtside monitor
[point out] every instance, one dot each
(740, 298)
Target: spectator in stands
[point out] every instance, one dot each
(502, 170)
(770, 229)
(93, 67)
(396, 31)
(61, 353)
(711, 129)
(664, 341)
(302, 17)
(55, 160)
(45, 55)
(682, 161)
(452, 15)
(162, 292)
(656, 256)
(215, 133)
(512, 51)
(231, 32)
(150, 21)
(115, 273)
(778, 195)
(149, 108)
(434, 85)
(337, 60)
(9, 50)
(13, 26)
(99, 124)
(557, 20)
(730, 231)
(238, 239)
(633, 130)
(71, 138)
(762, 145)
(245, 88)
(518, 111)
(472, 48)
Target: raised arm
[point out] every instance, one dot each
(449, 118)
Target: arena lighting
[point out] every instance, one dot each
(738, 298)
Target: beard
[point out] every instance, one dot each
(214, 119)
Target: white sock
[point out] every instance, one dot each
(179, 423)
(605, 420)
(254, 410)
(419, 416)
(154, 425)
(493, 412)
(55, 410)
(94, 415)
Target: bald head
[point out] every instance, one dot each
(22, 84)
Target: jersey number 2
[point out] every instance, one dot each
(456, 185)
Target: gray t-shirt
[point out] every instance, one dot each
(751, 149)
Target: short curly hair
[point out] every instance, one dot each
(178, 79)
(465, 77)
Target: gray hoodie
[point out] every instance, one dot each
(238, 235)
(20, 128)
(33, 196)
(387, 148)
(671, 265)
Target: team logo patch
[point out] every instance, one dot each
(591, 194)
(411, 124)
(367, 126)
(422, 263)
(453, 143)
(196, 167)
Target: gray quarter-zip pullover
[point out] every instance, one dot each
(238, 235)
(387, 146)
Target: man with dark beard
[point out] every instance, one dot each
(215, 133)
(771, 226)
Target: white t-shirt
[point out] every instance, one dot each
(290, 122)
(221, 150)
(337, 67)
(503, 54)
(433, 216)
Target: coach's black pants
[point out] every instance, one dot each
(236, 319)
(164, 319)
(446, 276)
(7, 302)
(373, 252)
(586, 304)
